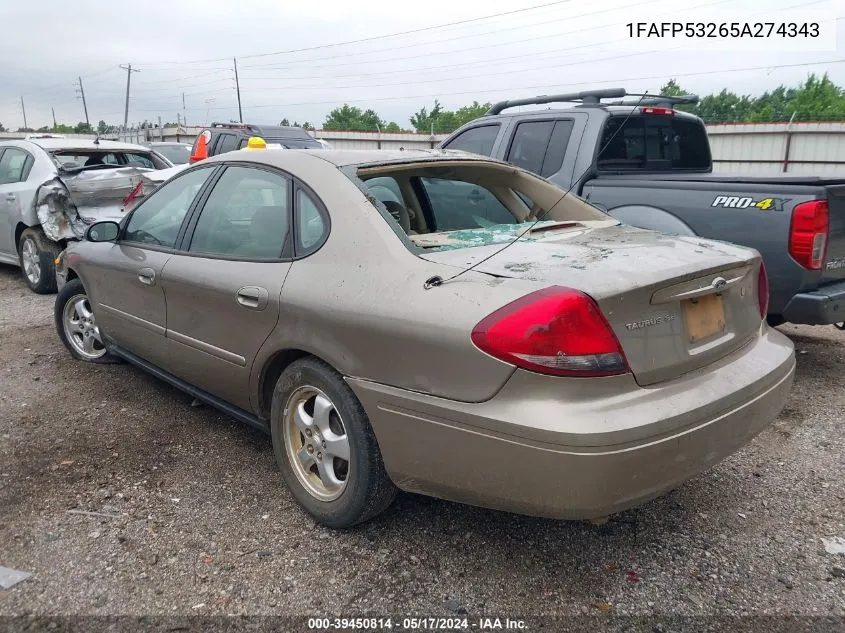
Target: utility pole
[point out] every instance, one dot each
(23, 109)
(129, 71)
(53, 110)
(84, 103)
(184, 112)
(238, 89)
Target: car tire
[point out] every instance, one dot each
(311, 393)
(76, 325)
(37, 256)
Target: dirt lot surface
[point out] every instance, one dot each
(188, 513)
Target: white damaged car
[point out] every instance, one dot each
(53, 187)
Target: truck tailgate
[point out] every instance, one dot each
(833, 268)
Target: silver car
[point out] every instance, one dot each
(52, 188)
(434, 322)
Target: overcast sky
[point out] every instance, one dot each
(185, 46)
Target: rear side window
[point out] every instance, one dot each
(14, 165)
(528, 147)
(227, 143)
(246, 215)
(478, 140)
(557, 147)
(657, 142)
(460, 205)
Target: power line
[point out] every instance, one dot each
(428, 44)
(372, 38)
(546, 86)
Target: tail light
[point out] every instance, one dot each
(657, 110)
(558, 331)
(133, 194)
(763, 290)
(808, 234)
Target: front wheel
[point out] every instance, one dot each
(77, 327)
(325, 447)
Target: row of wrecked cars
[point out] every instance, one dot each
(52, 188)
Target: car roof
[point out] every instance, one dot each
(348, 157)
(169, 144)
(54, 143)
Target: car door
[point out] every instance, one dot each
(15, 194)
(223, 287)
(124, 278)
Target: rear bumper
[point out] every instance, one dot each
(822, 307)
(578, 449)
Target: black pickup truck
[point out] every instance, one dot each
(649, 165)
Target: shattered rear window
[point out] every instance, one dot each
(464, 204)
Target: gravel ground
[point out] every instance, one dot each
(193, 517)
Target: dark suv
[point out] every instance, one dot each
(226, 137)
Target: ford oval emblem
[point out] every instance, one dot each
(720, 282)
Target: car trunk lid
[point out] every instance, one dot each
(675, 303)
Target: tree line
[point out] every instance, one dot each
(816, 99)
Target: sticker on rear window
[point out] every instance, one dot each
(739, 202)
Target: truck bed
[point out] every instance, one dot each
(754, 211)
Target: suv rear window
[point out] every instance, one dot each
(654, 142)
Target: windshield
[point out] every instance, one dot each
(78, 159)
(656, 142)
(460, 204)
(176, 154)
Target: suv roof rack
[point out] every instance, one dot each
(594, 97)
(238, 126)
(585, 97)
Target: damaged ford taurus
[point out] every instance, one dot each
(52, 188)
(434, 322)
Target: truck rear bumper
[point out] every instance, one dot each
(822, 307)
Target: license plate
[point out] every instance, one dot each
(704, 317)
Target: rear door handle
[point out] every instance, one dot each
(147, 276)
(253, 297)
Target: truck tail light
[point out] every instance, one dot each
(657, 110)
(808, 234)
(763, 290)
(557, 331)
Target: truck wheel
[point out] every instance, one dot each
(37, 256)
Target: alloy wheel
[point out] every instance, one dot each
(316, 443)
(31, 261)
(81, 328)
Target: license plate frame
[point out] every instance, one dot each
(704, 317)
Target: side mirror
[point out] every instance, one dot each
(105, 231)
